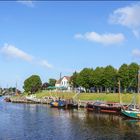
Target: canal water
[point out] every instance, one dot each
(40, 122)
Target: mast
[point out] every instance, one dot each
(119, 92)
(60, 75)
(138, 81)
(138, 88)
(16, 88)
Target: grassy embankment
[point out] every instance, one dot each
(114, 97)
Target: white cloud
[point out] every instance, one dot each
(28, 3)
(12, 51)
(128, 16)
(45, 63)
(106, 39)
(136, 53)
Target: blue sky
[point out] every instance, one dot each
(46, 38)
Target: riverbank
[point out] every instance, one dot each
(111, 97)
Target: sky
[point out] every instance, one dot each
(52, 37)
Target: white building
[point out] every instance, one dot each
(63, 82)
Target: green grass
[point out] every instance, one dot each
(67, 95)
(112, 97)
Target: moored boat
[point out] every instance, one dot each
(133, 111)
(70, 104)
(58, 103)
(7, 99)
(107, 107)
(89, 106)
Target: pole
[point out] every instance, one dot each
(60, 75)
(16, 88)
(138, 89)
(138, 81)
(119, 92)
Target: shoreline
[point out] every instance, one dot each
(24, 100)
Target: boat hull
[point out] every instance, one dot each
(90, 107)
(71, 106)
(7, 99)
(107, 107)
(58, 104)
(131, 114)
(104, 107)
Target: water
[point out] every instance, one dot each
(40, 122)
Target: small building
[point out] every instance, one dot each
(63, 82)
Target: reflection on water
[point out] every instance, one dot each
(40, 122)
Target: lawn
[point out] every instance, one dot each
(114, 97)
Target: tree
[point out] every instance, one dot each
(123, 75)
(98, 78)
(109, 77)
(85, 78)
(32, 84)
(133, 74)
(52, 82)
(73, 80)
(12, 89)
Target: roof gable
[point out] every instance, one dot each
(59, 81)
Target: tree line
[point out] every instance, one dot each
(100, 79)
(105, 79)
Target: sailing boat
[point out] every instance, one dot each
(132, 111)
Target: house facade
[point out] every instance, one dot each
(63, 82)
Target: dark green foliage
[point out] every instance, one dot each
(52, 82)
(98, 78)
(85, 78)
(105, 79)
(32, 84)
(73, 80)
(123, 74)
(133, 74)
(109, 78)
(12, 89)
(128, 77)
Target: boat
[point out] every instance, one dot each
(89, 106)
(70, 104)
(135, 114)
(107, 107)
(132, 110)
(7, 99)
(58, 103)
